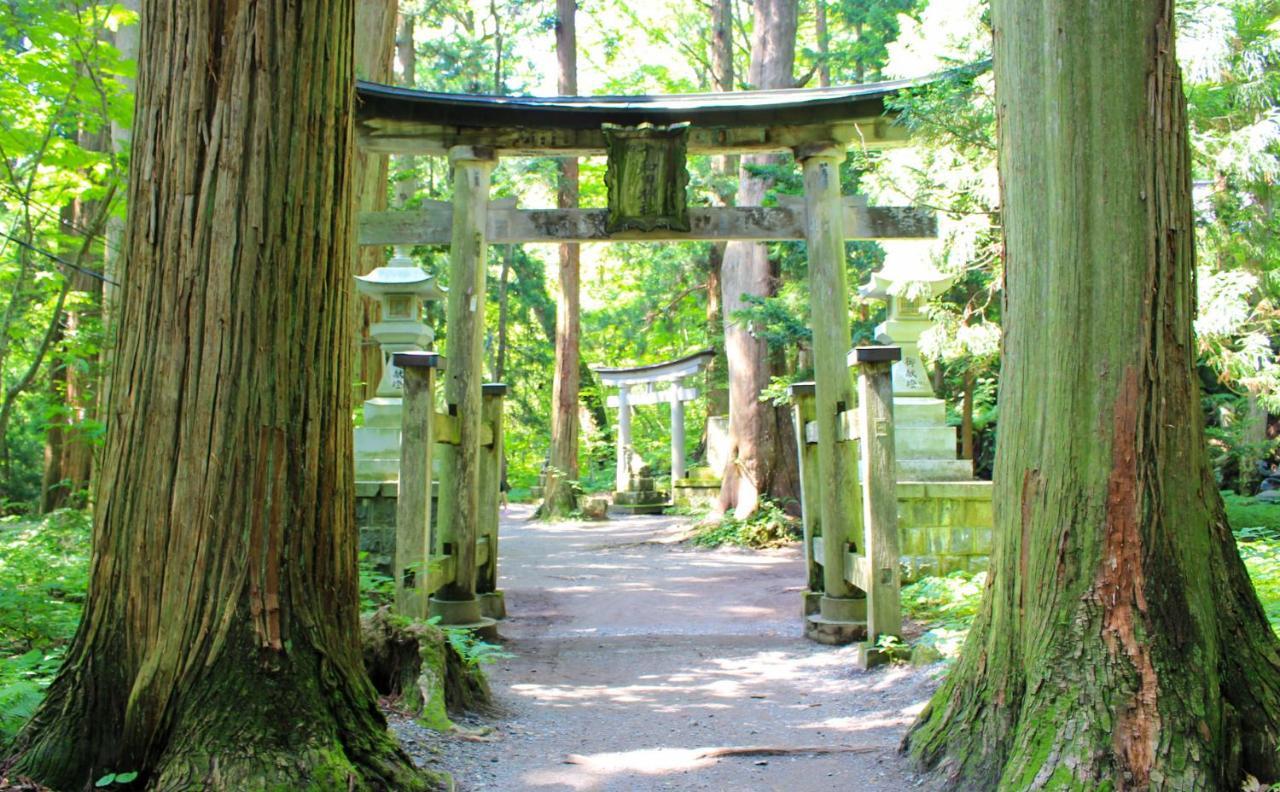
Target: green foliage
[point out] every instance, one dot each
(1262, 558)
(43, 580)
(111, 779)
(861, 33)
(1248, 515)
(464, 48)
(377, 588)
(473, 650)
(1257, 529)
(945, 606)
(769, 526)
(951, 600)
(61, 87)
(23, 679)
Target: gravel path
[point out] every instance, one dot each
(634, 655)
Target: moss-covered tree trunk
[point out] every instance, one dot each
(1120, 644)
(220, 641)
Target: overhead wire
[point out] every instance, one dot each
(71, 224)
(54, 257)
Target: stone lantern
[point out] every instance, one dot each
(907, 321)
(924, 444)
(400, 288)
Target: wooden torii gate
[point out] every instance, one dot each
(646, 138)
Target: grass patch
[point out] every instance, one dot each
(1257, 529)
(1245, 513)
(770, 526)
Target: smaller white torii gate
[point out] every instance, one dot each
(676, 394)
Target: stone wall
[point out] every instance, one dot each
(944, 527)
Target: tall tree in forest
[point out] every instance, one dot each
(723, 167)
(375, 49)
(1120, 644)
(68, 445)
(758, 463)
(560, 498)
(219, 646)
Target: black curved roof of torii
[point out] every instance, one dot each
(738, 108)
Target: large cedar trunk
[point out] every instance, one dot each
(220, 642)
(1120, 644)
(758, 463)
(560, 499)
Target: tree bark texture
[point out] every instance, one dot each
(559, 499)
(375, 49)
(755, 427)
(219, 646)
(1120, 644)
(125, 40)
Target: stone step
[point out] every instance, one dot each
(934, 470)
(377, 441)
(924, 442)
(919, 411)
(383, 411)
(377, 468)
(640, 484)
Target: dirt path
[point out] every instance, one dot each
(632, 657)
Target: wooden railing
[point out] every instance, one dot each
(426, 558)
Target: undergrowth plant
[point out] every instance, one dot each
(946, 607)
(44, 567)
(769, 526)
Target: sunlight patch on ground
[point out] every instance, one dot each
(863, 721)
(747, 610)
(588, 772)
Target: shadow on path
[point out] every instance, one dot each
(635, 657)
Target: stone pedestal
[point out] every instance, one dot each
(641, 495)
(700, 489)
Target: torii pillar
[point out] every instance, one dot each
(842, 608)
(459, 517)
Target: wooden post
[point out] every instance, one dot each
(491, 599)
(810, 497)
(842, 613)
(413, 500)
(460, 518)
(677, 434)
(880, 545)
(623, 475)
